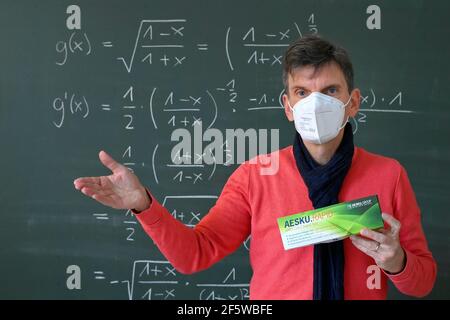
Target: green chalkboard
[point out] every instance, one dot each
(135, 71)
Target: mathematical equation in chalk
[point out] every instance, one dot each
(182, 207)
(170, 109)
(371, 103)
(164, 43)
(75, 103)
(77, 43)
(158, 280)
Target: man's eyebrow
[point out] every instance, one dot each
(334, 85)
(337, 86)
(299, 87)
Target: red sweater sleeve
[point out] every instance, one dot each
(218, 234)
(418, 276)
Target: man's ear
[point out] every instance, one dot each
(287, 110)
(354, 102)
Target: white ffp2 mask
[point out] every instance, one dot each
(318, 117)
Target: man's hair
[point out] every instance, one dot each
(313, 50)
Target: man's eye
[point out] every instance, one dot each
(301, 93)
(332, 90)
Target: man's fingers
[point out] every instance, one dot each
(86, 180)
(392, 222)
(88, 191)
(368, 244)
(97, 190)
(94, 186)
(108, 161)
(80, 186)
(103, 197)
(377, 236)
(367, 251)
(92, 191)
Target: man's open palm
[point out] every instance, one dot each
(120, 190)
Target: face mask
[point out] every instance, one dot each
(318, 117)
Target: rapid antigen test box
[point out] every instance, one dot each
(330, 223)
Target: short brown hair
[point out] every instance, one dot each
(313, 50)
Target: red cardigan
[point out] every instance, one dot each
(250, 203)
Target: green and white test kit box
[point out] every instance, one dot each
(330, 223)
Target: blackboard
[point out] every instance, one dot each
(65, 94)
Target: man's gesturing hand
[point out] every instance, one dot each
(120, 190)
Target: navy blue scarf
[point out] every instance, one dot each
(324, 183)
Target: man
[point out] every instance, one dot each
(321, 168)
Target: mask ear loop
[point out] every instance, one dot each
(340, 128)
(290, 107)
(348, 117)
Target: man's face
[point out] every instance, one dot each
(328, 79)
